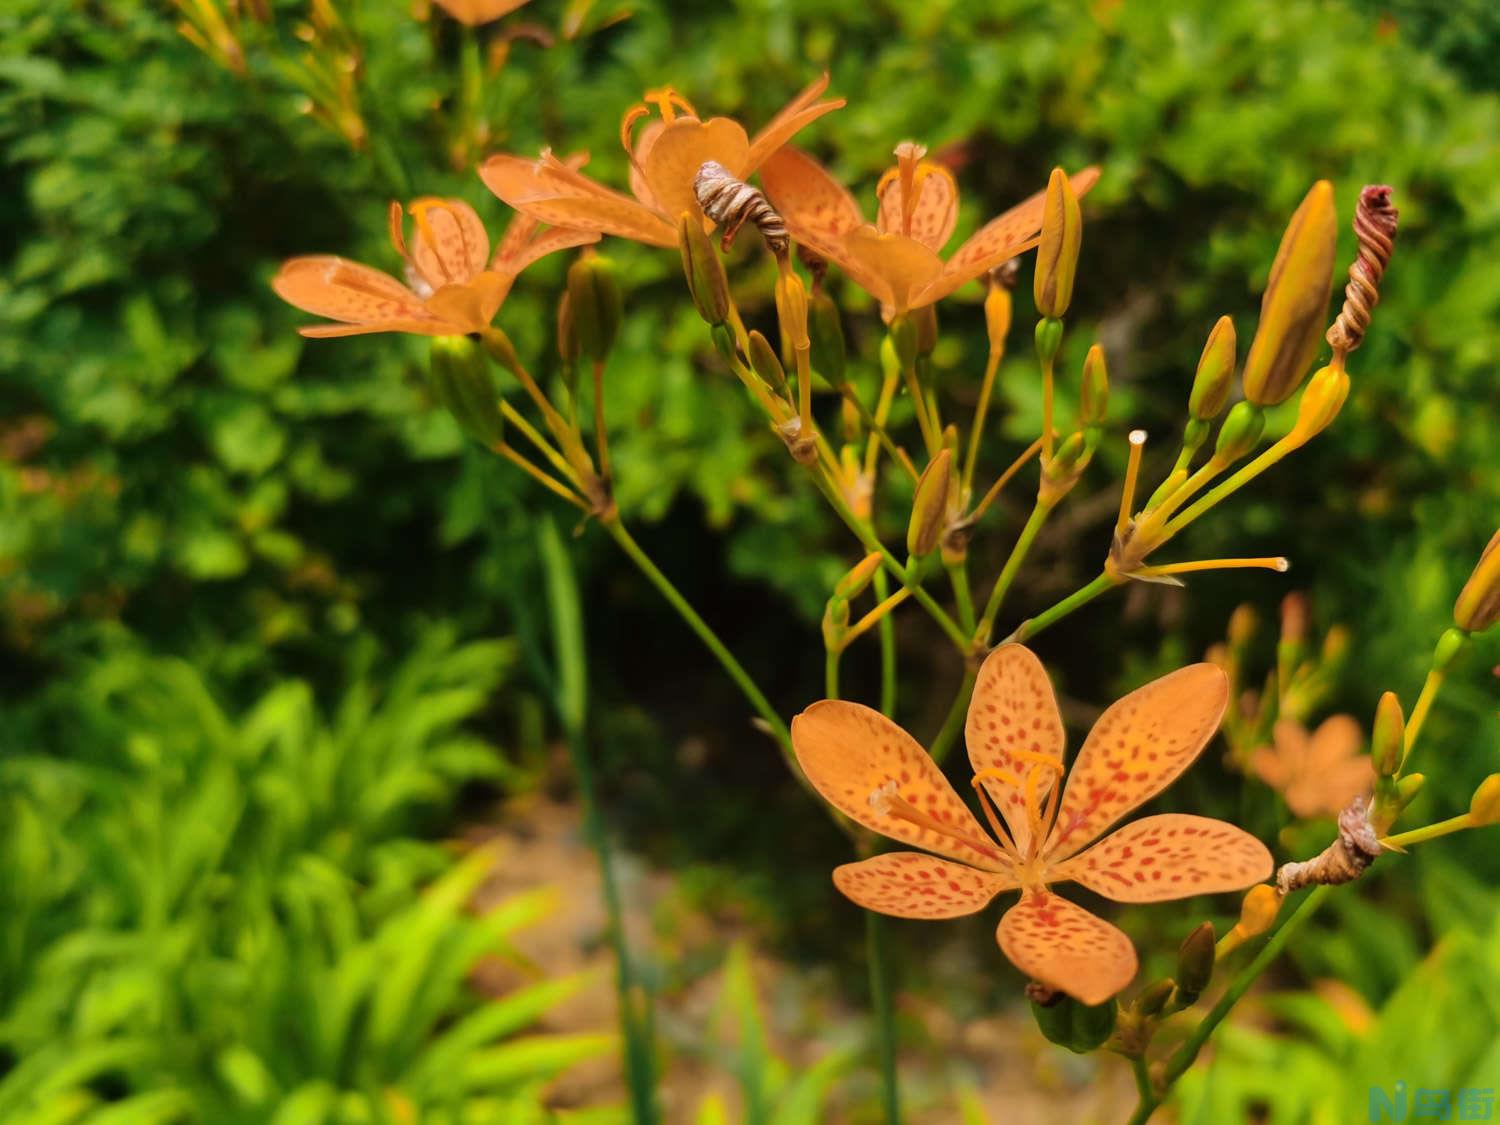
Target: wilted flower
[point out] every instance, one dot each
(1320, 773)
(875, 773)
(896, 260)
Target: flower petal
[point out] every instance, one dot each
(677, 153)
(475, 12)
(548, 242)
(850, 753)
(999, 240)
(1169, 856)
(1013, 708)
(808, 199)
(902, 264)
(451, 244)
(550, 192)
(1136, 749)
(935, 212)
(795, 116)
(1065, 947)
(427, 327)
(914, 885)
(337, 288)
(1337, 739)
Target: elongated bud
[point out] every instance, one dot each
(1195, 962)
(1241, 431)
(568, 348)
(461, 381)
(724, 343)
(1066, 459)
(925, 321)
(1448, 646)
(1294, 619)
(1335, 647)
(1388, 736)
(1484, 806)
(1243, 623)
(763, 360)
(791, 306)
(1478, 604)
(1215, 376)
(1295, 304)
(825, 331)
(1071, 1023)
(1320, 403)
(705, 273)
(595, 305)
(1407, 789)
(997, 310)
(929, 507)
(1153, 998)
(1049, 335)
(903, 337)
(1093, 402)
(1057, 253)
(1258, 910)
(835, 623)
(501, 350)
(853, 583)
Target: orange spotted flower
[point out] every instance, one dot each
(1318, 774)
(663, 161)
(875, 773)
(897, 258)
(453, 286)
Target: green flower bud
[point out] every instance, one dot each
(853, 583)
(1241, 431)
(1049, 335)
(763, 360)
(1388, 737)
(704, 271)
(595, 305)
(925, 321)
(929, 507)
(461, 380)
(1153, 998)
(903, 337)
(1478, 604)
(567, 340)
(1070, 1023)
(1195, 963)
(825, 330)
(724, 343)
(1215, 377)
(1449, 645)
(1057, 252)
(1295, 304)
(1484, 806)
(1093, 402)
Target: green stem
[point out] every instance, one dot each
(831, 672)
(885, 1016)
(1142, 1078)
(958, 574)
(1430, 688)
(1048, 617)
(954, 721)
(1039, 513)
(887, 633)
(1429, 831)
(1178, 1063)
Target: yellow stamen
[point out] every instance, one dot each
(991, 815)
(668, 101)
(1004, 775)
(1132, 471)
(1005, 478)
(1277, 563)
(627, 127)
(893, 804)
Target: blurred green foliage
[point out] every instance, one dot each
(178, 467)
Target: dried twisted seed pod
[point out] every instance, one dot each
(731, 203)
(1342, 861)
(1375, 229)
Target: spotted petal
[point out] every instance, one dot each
(1066, 948)
(337, 288)
(1136, 749)
(795, 116)
(935, 212)
(548, 242)
(451, 244)
(914, 885)
(810, 201)
(850, 753)
(679, 150)
(1013, 709)
(1169, 856)
(551, 192)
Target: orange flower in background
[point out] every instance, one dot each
(1318, 774)
(897, 259)
(663, 161)
(475, 12)
(453, 287)
(875, 773)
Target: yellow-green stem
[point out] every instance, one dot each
(981, 410)
(887, 631)
(1039, 513)
(1048, 617)
(549, 482)
(1429, 832)
(601, 435)
(1430, 689)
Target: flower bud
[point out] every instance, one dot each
(1243, 623)
(929, 507)
(1153, 998)
(1478, 604)
(925, 321)
(1049, 335)
(1070, 1023)
(1093, 401)
(1057, 252)
(853, 583)
(1320, 404)
(791, 307)
(705, 272)
(1484, 806)
(567, 340)
(1258, 910)
(763, 360)
(1294, 618)
(903, 337)
(1295, 303)
(1215, 376)
(595, 305)
(1240, 432)
(1335, 647)
(1066, 459)
(461, 381)
(825, 331)
(1449, 645)
(835, 623)
(1407, 789)
(724, 343)
(1388, 737)
(997, 307)
(1195, 962)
